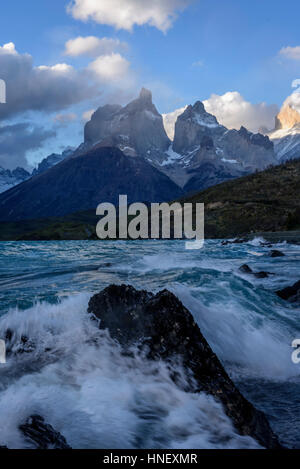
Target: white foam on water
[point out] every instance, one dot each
(257, 241)
(96, 397)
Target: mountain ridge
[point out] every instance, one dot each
(83, 183)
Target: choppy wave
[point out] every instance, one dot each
(98, 398)
(78, 379)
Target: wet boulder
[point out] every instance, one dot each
(261, 274)
(161, 325)
(16, 345)
(291, 294)
(42, 435)
(276, 253)
(245, 269)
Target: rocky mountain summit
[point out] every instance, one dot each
(199, 140)
(287, 117)
(137, 129)
(208, 153)
(51, 160)
(9, 179)
(286, 135)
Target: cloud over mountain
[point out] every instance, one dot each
(124, 14)
(17, 139)
(293, 100)
(233, 111)
(170, 121)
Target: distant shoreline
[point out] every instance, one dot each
(291, 237)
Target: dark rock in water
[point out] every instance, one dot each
(18, 345)
(275, 253)
(235, 241)
(261, 274)
(42, 435)
(291, 294)
(167, 330)
(246, 269)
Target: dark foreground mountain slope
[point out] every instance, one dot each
(261, 202)
(268, 202)
(84, 182)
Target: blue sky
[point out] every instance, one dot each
(212, 47)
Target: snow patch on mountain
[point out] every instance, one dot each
(9, 179)
(172, 157)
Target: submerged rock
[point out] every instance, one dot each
(42, 435)
(167, 330)
(247, 270)
(18, 345)
(234, 241)
(291, 294)
(276, 253)
(261, 274)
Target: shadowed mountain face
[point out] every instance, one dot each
(137, 129)
(194, 126)
(84, 182)
(201, 139)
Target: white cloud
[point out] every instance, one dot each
(43, 88)
(170, 119)
(110, 68)
(58, 68)
(291, 52)
(8, 48)
(124, 14)
(64, 119)
(293, 100)
(86, 116)
(233, 111)
(93, 46)
(17, 140)
(198, 63)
